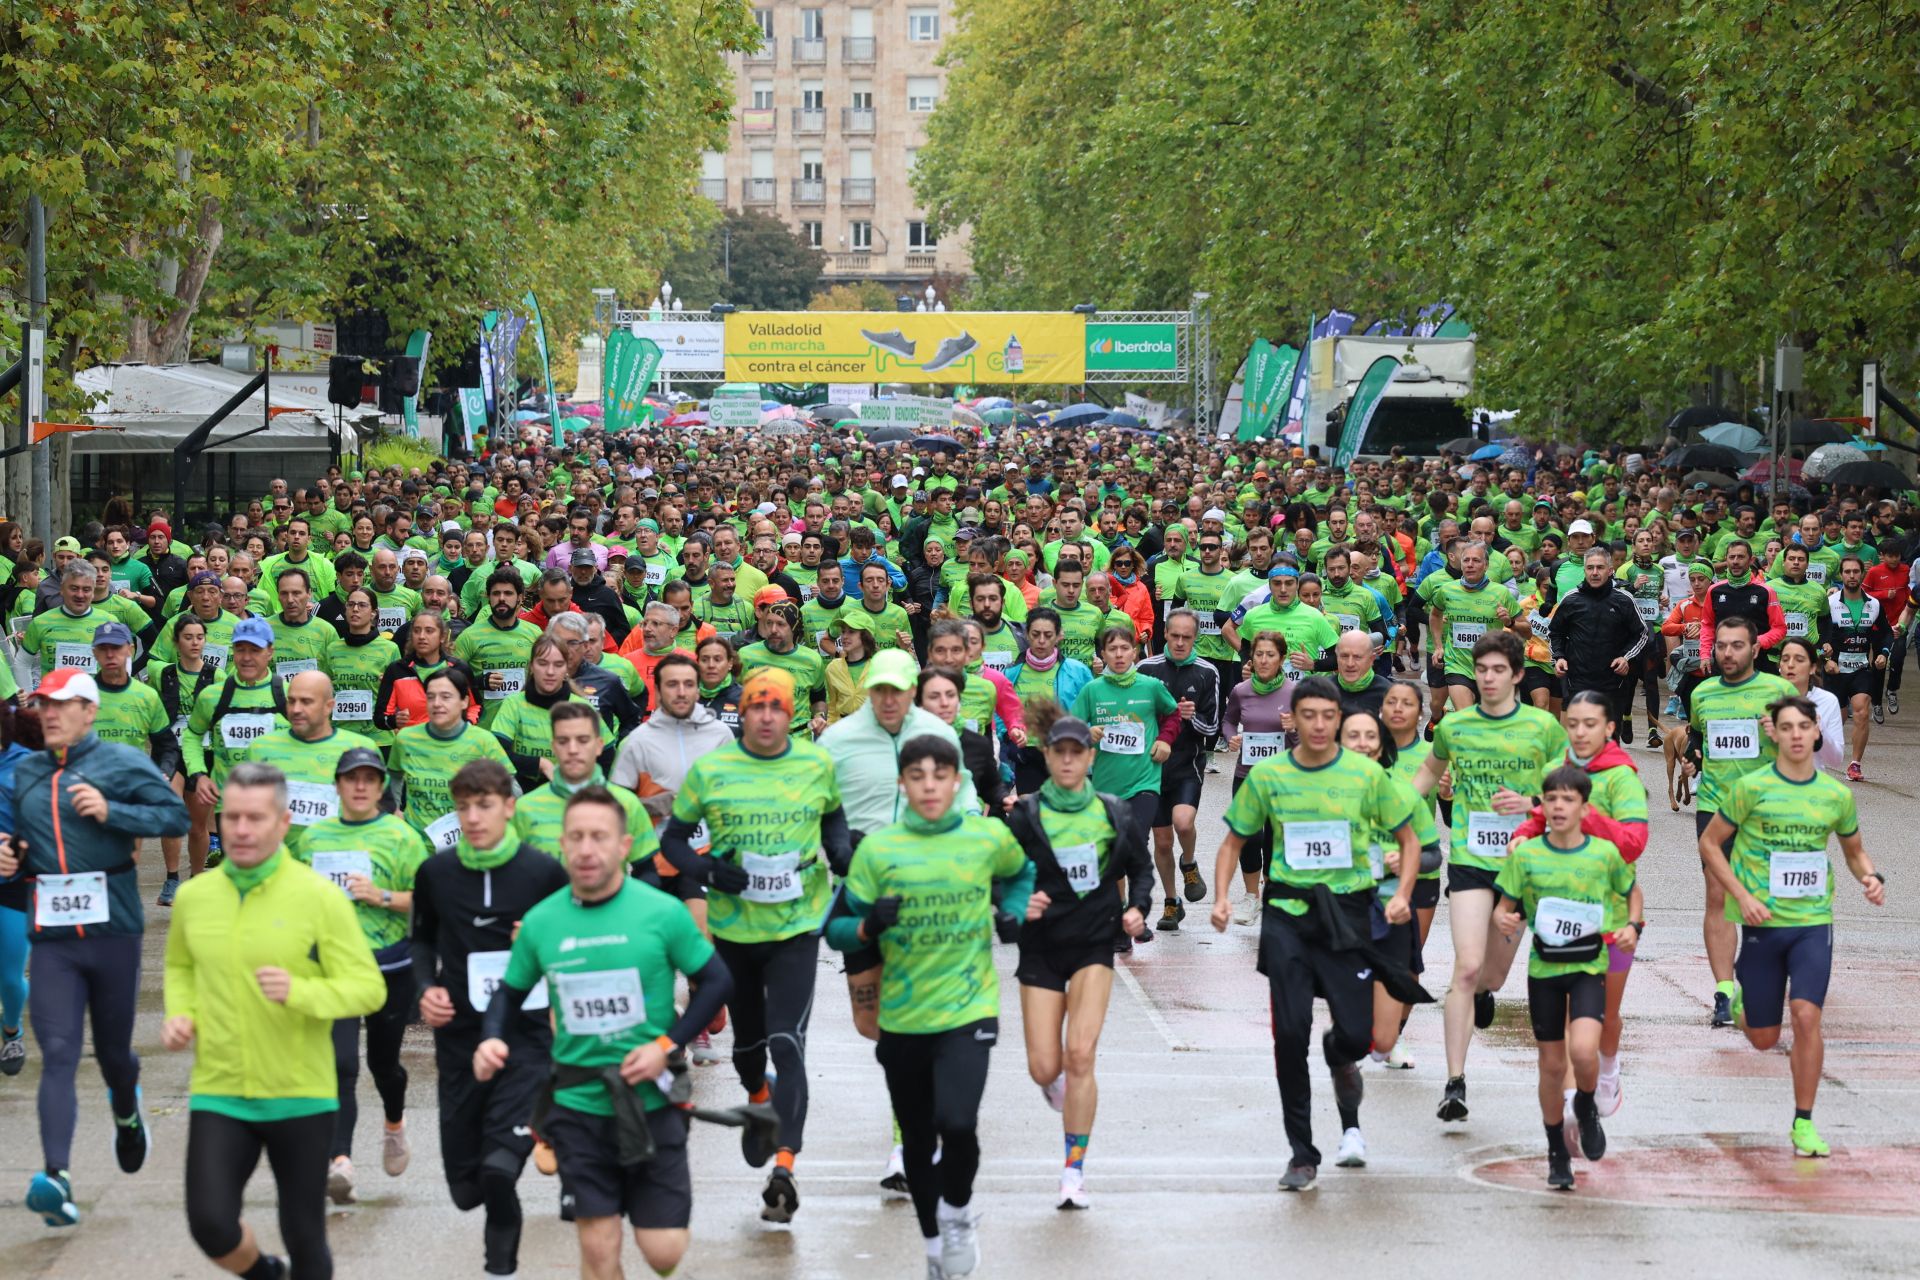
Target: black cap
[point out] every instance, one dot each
(360, 758)
(1070, 729)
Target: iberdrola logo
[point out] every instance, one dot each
(1100, 347)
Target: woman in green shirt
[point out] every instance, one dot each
(178, 683)
(522, 723)
(358, 659)
(1130, 716)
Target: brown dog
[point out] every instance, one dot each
(1673, 742)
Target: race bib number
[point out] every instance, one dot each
(701, 839)
(1319, 846)
(512, 680)
(1789, 875)
(1649, 610)
(657, 576)
(602, 1003)
(1465, 635)
(1255, 747)
(337, 864)
(311, 802)
(1347, 621)
(61, 902)
(238, 729)
(1542, 625)
(73, 657)
(1796, 624)
(1852, 662)
(392, 619)
(214, 655)
(1689, 651)
(1081, 862)
(1733, 739)
(180, 727)
(1817, 572)
(1123, 738)
(1488, 833)
(294, 666)
(353, 704)
(998, 659)
(1208, 626)
(486, 970)
(771, 877)
(444, 833)
(1377, 861)
(1559, 921)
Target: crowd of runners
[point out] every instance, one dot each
(580, 757)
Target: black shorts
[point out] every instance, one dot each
(1700, 823)
(1460, 879)
(476, 1118)
(1180, 789)
(1534, 678)
(654, 1196)
(1554, 1002)
(1403, 940)
(1453, 681)
(1864, 683)
(1772, 959)
(1049, 967)
(865, 960)
(1426, 893)
(1436, 675)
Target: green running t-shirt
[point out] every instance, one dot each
(1487, 753)
(1781, 831)
(1733, 739)
(1323, 817)
(385, 850)
(1567, 894)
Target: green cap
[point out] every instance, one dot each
(892, 669)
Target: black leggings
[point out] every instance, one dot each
(935, 1082)
(221, 1155)
(1298, 969)
(771, 1003)
(386, 1029)
(72, 978)
(1255, 850)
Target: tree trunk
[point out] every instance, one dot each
(170, 340)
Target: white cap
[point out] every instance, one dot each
(1579, 526)
(919, 471)
(411, 553)
(765, 509)
(448, 526)
(1215, 513)
(899, 482)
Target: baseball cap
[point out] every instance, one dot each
(359, 758)
(450, 526)
(66, 684)
(254, 631)
(851, 620)
(891, 669)
(204, 578)
(1579, 526)
(616, 553)
(583, 555)
(1070, 729)
(649, 523)
(768, 595)
(68, 544)
(112, 633)
(765, 509)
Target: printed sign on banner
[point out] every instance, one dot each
(906, 411)
(888, 346)
(734, 407)
(685, 346)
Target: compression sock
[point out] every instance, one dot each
(1726, 989)
(784, 1159)
(763, 1094)
(1806, 1114)
(1556, 1140)
(1077, 1149)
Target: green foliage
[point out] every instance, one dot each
(750, 259)
(859, 295)
(399, 451)
(1621, 199)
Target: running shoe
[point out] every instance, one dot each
(1453, 1102)
(1560, 1171)
(51, 1196)
(1248, 911)
(950, 350)
(340, 1181)
(1171, 915)
(895, 1181)
(1190, 883)
(1212, 767)
(780, 1198)
(1073, 1189)
(1483, 1009)
(13, 1053)
(544, 1158)
(1056, 1092)
(1855, 773)
(394, 1150)
(959, 1237)
(132, 1140)
(1674, 709)
(1608, 1095)
(893, 340)
(704, 1054)
(1806, 1142)
(1722, 1009)
(1398, 1059)
(1879, 714)
(1654, 740)
(1893, 702)
(1593, 1139)
(168, 887)
(757, 1144)
(1353, 1151)
(1124, 945)
(1298, 1177)
(935, 1271)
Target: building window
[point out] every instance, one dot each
(763, 95)
(920, 236)
(913, 158)
(813, 25)
(812, 168)
(813, 97)
(862, 99)
(923, 25)
(764, 17)
(862, 235)
(922, 92)
(811, 232)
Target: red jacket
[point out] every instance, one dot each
(538, 617)
(1629, 837)
(1887, 583)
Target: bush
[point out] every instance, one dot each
(399, 451)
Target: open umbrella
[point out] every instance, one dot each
(1761, 472)
(1816, 431)
(779, 413)
(529, 415)
(890, 435)
(985, 403)
(965, 417)
(575, 424)
(833, 412)
(938, 444)
(592, 410)
(1829, 456)
(1710, 457)
(1079, 415)
(1486, 453)
(697, 418)
(1462, 445)
(1696, 416)
(771, 426)
(1711, 479)
(1735, 435)
(1121, 418)
(1516, 455)
(1872, 474)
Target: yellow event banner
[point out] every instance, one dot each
(899, 346)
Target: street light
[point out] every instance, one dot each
(666, 292)
(930, 295)
(1086, 309)
(605, 304)
(679, 305)
(722, 309)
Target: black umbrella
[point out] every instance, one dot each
(890, 435)
(1708, 457)
(1816, 431)
(1121, 418)
(1872, 474)
(832, 413)
(1696, 416)
(1712, 479)
(1461, 445)
(939, 444)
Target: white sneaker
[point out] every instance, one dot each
(1056, 1093)
(1397, 1057)
(959, 1239)
(1248, 910)
(894, 1181)
(1353, 1151)
(340, 1180)
(1608, 1095)
(1073, 1189)
(702, 1051)
(394, 1150)
(1570, 1127)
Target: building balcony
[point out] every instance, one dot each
(761, 57)
(809, 191)
(759, 190)
(856, 119)
(920, 260)
(856, 48)
(856, 191)
(758, 120)
(714, 189)
(806, 51)
(849, 264)
(809, 120)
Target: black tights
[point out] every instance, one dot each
(386, 1030)
(221, 1155)
(771, 1003)
(935, 1082)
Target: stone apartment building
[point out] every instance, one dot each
(830, 113)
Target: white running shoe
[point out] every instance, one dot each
(1073, 1189)
(1056, 1093)
(1398, 1059)
(1353, 1151)
(702, 1051)
(1248, 910)
(959, 1239)
(1608, 1095)
(1570, 1127)
(340, 1180)
(894, 1181)
(395, 1151)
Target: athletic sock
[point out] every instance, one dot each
(933, 1246)
(1583, 1104)
(762, 1094)
(1556, 1140)
(1726, 989)
(783, 1158)
(1077, 1149)
(896, 1127)
(265, 1267)
(1609, 1064)
(1803, 1114)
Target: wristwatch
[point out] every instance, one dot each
(386, 897)
(1874, 875)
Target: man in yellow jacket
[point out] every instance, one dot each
(261, 959)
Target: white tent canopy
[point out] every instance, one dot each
(150, 408)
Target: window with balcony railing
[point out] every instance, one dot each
(856, 48)
(807, 51)
(759, 190)
(806, 121)
(809, 191)
(856, 190)
(714, 189)
(856, 120)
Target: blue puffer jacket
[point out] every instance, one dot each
(58, 841)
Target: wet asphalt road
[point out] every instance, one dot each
(1699, 1179)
